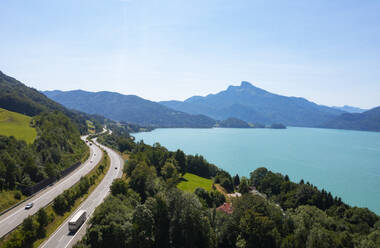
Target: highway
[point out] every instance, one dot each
(15, 217)
(62, 238)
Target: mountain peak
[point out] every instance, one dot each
(246, 84)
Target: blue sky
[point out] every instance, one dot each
(326, 51)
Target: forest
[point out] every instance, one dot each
(146, 209)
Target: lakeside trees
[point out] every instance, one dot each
(147, 210)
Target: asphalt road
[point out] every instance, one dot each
(62, 238)
(15, 217)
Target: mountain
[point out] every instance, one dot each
(17, 97)
(256, 105)
(128, 108)
(350, 109)
(367, 121)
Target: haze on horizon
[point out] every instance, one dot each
(325, 51)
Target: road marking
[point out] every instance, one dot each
(61, 239)
(21, 209)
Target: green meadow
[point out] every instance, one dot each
(191, 182)
(17, 125)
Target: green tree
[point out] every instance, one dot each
(320, 238)
(181, 159)
(43, 221)
(142, 180)
(236, 180)
(143, 223)
(169, 171)
(189, 225)
(158, 207)
(244, 186)
(257, 175)
(129, 166)
(60, 204)
(119, 186)
(258, 230)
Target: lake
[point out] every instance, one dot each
(347, 163)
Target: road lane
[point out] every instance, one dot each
(15, 217)
(62, 238)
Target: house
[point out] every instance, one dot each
(226, 207)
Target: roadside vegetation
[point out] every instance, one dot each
(146, 209)
(17, 125)
(9, 198)
(37, 228)
(57, 147)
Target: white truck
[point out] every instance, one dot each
(78, 219)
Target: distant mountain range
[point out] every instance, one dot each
(255, 105)
(128, 108)
(350, 109)
(238, 106)
(366, 121)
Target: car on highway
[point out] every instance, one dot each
(29, 205)
(115, 168)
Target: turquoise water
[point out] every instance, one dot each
(347, 163)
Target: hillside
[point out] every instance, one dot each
(256, 105)
(367, 121)
(53, 144)
(128, 108)
(57, 146)
(17, 125)
(17, 97)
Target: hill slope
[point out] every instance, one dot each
(256, 105)
(17, 97)
(17, 125)
(367, 121)
(128, 108)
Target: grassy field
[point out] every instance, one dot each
(91, 127)
(17, 125)
(8, 199)
(191, 182)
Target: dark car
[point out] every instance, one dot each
(29, 205)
